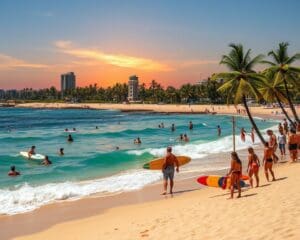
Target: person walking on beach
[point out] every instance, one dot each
(285, 126)
(282, 143)
(168, 170)
(235, 174)
(191, 125)
(268, 161)
(280, 127)
(253, 166)
(273, 144)
(293, 145)
(219, 130)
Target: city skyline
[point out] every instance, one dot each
(173, 42)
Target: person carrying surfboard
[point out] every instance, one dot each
(168, 170)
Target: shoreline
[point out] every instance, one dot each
(163, 108)
(95, 205)
(140, 211)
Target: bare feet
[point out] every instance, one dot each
(164, 193)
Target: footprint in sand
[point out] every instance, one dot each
(144, 233)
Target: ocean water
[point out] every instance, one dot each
(91, 163)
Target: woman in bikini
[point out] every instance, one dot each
(253, 166)
(293, 145)
(235, 174)
(273, 144)
(268, 161)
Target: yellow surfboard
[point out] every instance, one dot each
(157, 164)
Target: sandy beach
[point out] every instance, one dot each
(268, 212)
(258, 111)
(193, 212)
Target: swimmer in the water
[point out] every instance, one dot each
(70, 139)
(13, 172)
(137, 141)
(185, 138)
(61, 152)
(31, 151)
(46, 161)
(173, 127)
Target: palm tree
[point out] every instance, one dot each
(242, 80)
(287, 74)
(272, 91)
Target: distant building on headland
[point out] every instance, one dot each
(67, 82)
(133, 88)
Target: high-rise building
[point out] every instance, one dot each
(133, 88)
(67, 82)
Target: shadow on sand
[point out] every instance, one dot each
(184, 191)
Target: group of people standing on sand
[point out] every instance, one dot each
(287, 135)
(291, 133)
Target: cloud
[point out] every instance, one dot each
(7, 62)
(119, 60)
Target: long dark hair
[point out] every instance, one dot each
(235, 157)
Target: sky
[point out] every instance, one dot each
(104, 42)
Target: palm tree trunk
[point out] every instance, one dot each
(290, 101)
(283, 110)
(252, 121)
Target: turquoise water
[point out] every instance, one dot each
(91, 163)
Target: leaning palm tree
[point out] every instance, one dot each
(286, 73)
(242, 80)
(273, 91)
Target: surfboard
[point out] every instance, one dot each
(35, 156)
(218, 181)
(157, 164)
(70, 131)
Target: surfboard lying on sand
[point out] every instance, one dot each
(218, 181)
(35, 156)
(157, 164)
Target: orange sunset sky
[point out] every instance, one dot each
(104, 42)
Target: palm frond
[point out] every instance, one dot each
(292, 58)
(268, 62)
(274, 56)
(249, 66)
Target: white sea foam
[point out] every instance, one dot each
(198, 150)
(27, 198)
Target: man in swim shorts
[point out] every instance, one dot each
(168, 170)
